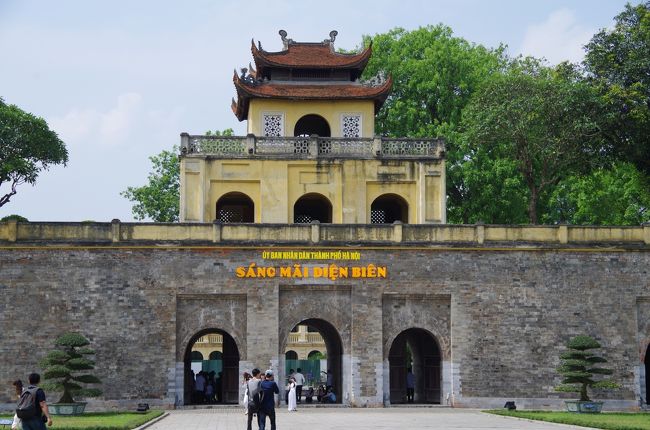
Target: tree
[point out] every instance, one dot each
(434, 76)
(27, 147)
(578, 367)
(62, 365)
(542, 119)
(616, 195)
(618, 63)
(160, 198)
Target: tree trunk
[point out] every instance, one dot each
(583, 393)
(532, 205)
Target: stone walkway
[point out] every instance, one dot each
(353, 418)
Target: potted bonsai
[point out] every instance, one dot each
(62, 368)
(578, 367)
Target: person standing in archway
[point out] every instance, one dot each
(253, 388)
(300, 381)
(291, 398)
(410, 385)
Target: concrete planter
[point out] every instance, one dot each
(584, 407)
(67, 408)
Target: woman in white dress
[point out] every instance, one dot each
(292, 394)
(244, 385)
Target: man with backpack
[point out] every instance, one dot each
(32, 407)
(254, 389)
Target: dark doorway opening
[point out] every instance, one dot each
(647, 375)
(418, 350)
(235, 207)
(312, 124)
(318, 368)
(221, 370)
(312, 207)
(388, 208)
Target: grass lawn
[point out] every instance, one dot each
(101, 420)
(606, 420)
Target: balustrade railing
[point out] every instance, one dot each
(311, 147)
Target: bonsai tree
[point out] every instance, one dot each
(578, 367)
(63, 365)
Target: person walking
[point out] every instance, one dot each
(254, 389)
(300, 381)
(291, 401)
(410, 385)
(267, 408)
(42, 415)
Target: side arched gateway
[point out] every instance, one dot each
(221, 370)
(415, 350)
(647, 374)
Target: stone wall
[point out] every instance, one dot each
(499, 314)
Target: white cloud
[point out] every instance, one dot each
(560, 37)
(111, 128)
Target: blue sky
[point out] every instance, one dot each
(120, 80)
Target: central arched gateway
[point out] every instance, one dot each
(333, 375)
(222, 366)
(418, 350)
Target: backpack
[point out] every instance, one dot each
(255, 402)
(26, 407)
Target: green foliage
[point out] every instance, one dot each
(27, 147)
(63, 364)
(102, 420)
(617, 62)
(577, 368)
(542, 120)
(14, 217)
(607, 420)
(615, 195)
(159, 199)
(434, 76)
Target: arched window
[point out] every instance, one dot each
(216, 355)
(291, 355)
(312, 124)
(312, 207)
(235, 207)
(196, 356)
(388, 208)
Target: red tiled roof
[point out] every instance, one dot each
(310, 56)
(292, 91)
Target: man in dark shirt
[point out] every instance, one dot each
(42, 412)
(267, 408)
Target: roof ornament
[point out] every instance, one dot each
(248, 78)
(333, 35)
(285, 40)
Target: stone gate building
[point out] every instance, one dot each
(311, 220)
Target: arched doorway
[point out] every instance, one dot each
(221, 369)
(388, 208)
(235, 207)
(318, 368)
(312, 124)
(418, 350)
(312, 207)
(647, 374)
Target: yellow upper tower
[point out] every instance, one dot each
(310, 153)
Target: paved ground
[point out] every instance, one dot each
(353, 418)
